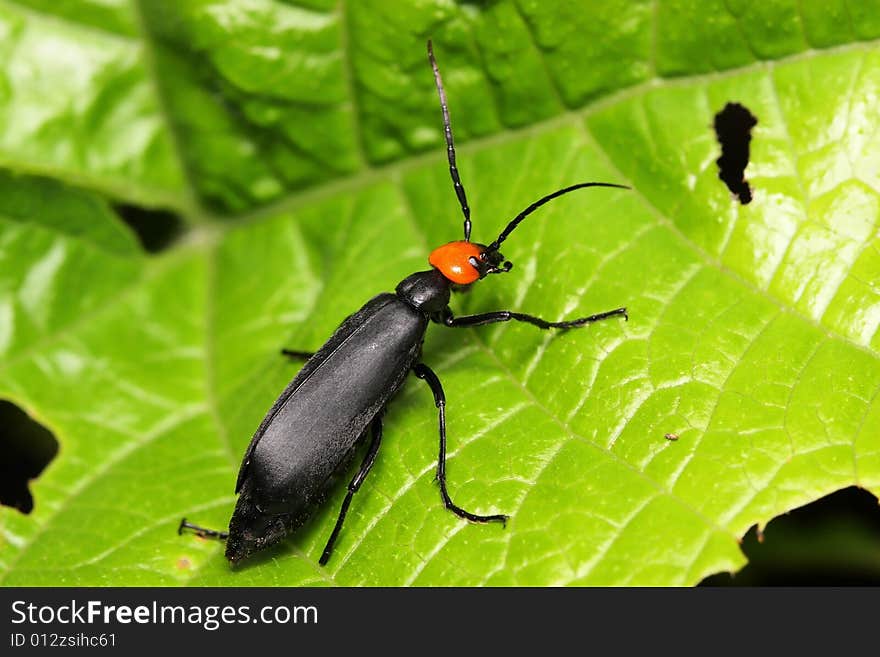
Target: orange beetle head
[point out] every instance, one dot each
(464, 262)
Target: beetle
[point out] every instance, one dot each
(339, 396)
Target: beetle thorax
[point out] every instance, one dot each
(426, 291)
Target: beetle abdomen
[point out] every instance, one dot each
(315, 425)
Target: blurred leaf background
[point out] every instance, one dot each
(186, 187)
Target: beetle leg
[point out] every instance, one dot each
(424, 372)
(507, 315)
(293, 353)
(354, 485)
(201, 532)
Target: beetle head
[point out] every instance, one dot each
(464, 262)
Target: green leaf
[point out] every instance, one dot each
(77, 102)
(753, 331)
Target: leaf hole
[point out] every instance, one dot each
(156, 229)
(26, 448)
(733, 128)
(834, 541)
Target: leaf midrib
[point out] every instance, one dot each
(375, 172)
(192, 209)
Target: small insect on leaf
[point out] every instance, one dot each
(339, 396)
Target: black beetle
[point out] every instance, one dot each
(315, 426)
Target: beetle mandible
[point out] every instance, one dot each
(338, 397)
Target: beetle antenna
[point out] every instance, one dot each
(537, 204)
(450, 147)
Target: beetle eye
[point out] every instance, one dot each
(491, 262)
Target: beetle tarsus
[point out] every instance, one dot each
(201, 532)
(328, 548)
(583, 321)
(293, 353)
(496, 316)
(467, 515)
